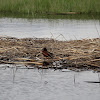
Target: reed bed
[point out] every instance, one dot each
(50, 6)
(81, 54)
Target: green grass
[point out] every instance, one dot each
(49, 6)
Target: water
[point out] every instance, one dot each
(47, 84)
(71, 29)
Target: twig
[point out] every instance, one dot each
(36, 63)
(94, 65)
(96, 27)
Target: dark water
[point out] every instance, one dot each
(47, 27)
(47, 84)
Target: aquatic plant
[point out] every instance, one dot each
(49, 6)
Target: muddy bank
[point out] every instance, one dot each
(82, 54)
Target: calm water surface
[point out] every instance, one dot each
(25, 84)
(47, 84)
(43, 28)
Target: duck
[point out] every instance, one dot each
(46, 53)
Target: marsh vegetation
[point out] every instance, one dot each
(49, 6)
(77, 53)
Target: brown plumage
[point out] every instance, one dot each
(46, 53)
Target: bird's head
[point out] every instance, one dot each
(44, 49)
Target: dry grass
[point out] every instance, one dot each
(76, 53)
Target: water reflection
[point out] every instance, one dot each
(44, 16)
(43, 28)
(48, 84)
